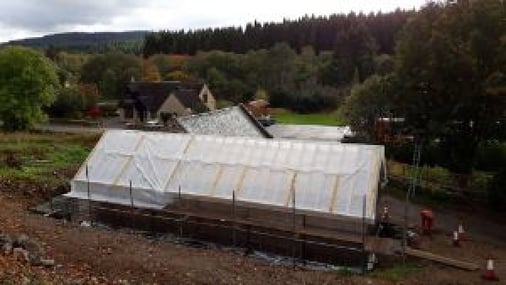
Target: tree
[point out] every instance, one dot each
(450, 61)
(28, 81)
(320, 32)
(368, 102)
(111, 72)
(150, 72)
(162, 63)
(69, 103)
(355, 55)
(177, 75)
(279, 67)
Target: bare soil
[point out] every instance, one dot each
(97, 256)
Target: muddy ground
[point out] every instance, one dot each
(97, 256)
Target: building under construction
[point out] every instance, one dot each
(306, 199)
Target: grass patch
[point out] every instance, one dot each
(41, 157)
(283, 116)
(396, 273)
(437, 178)
(436, 198)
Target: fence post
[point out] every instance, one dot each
(234, 237)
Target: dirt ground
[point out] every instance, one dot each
(97, 256)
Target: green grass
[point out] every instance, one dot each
(395, 273)
(435, 178)
(39, 156)
(326, 119)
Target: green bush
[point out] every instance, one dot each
(497, 190)
(306, 100)
(108, 108)
(431, 154)
(491, 156)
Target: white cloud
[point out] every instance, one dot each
(37, 17)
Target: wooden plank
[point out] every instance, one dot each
(442, 259)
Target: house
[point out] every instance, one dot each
(145, 101)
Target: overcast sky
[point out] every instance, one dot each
(27, 18)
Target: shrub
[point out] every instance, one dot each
(496, 190)
(491, 156)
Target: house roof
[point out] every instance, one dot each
(190, 99)
(231, 122)
(152, 95)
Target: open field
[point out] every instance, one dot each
(37, 163)
(283, 116)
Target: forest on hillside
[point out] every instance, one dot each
(320, 32)
(100, 42)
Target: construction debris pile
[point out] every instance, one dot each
(23, 248)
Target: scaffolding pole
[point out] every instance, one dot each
(294, 249)
(132, 207)
(89, 193)
(364, 253)
(234, 237)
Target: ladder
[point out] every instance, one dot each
(415, 175)
(415, 179)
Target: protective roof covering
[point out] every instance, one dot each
(327, 178)
(309, 132)
(233, 121)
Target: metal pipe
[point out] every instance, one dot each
(89, 193)
(132, 207)
(364, 254)
(293, 228)
(234, 237)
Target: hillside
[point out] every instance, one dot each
(79, 41)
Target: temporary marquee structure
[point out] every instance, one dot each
(322, 177)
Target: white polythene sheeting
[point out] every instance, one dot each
(322, 177)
